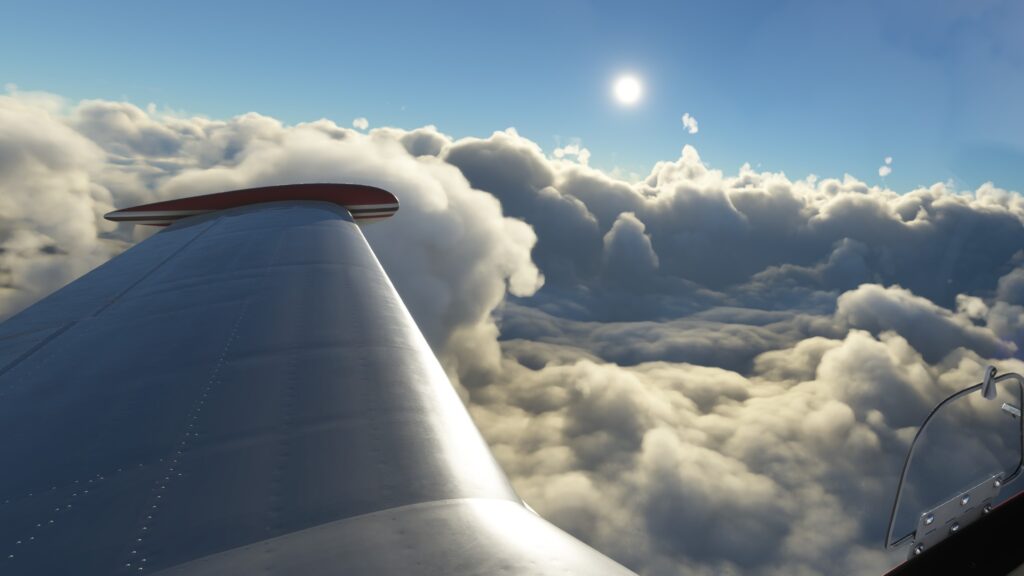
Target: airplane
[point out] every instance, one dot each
(245, 393)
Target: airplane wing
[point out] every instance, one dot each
(245, 393)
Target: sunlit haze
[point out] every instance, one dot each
(628, 90)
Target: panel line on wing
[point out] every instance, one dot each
(142, 278)
(68, 325)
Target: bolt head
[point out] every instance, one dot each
(997, 483)
(986, 509)
(965, 499)
(929, 519)
(954, 528)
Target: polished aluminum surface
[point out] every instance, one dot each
(245, 393)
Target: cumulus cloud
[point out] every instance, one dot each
(61, 173)
(696, 372)
(932, 330)
(690, 123)
(361, 123)
(885, 169)
(582, 155)
(50, 202)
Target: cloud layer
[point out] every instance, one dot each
(697, 373)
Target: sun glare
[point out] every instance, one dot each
(627, 90)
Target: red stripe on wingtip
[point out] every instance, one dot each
(349, 196)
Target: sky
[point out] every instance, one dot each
(701, 346)
(799, 87)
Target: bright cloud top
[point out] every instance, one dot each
(697, 373)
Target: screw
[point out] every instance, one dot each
(965, 499)
(986, 509)
(954, 528)
(918, 549)
(928, 519)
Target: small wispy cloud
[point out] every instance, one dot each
(360, 123)
(690, 123)
(886, 168)
(582, 154)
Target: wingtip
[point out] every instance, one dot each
(365, 203)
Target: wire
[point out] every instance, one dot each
(889, 544)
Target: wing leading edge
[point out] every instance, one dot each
(245, 392)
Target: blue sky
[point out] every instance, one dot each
(800, 87)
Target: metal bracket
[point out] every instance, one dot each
(987, 388)
(954, 514)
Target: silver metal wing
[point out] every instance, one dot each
(245, 393)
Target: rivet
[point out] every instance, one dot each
(918, 549)
(997, 483)
(928, 519)
(954, 528)
(965, 499)
(987, 509)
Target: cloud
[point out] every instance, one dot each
(50, 202)
(62, 173)
(697, 372)
(581, 154)
(690, 123)
(886, 168)
(931, 330)
(361, 123)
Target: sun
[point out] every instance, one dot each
(627, 90)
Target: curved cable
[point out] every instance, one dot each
(990, 377)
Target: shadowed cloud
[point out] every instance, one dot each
(697, 373)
